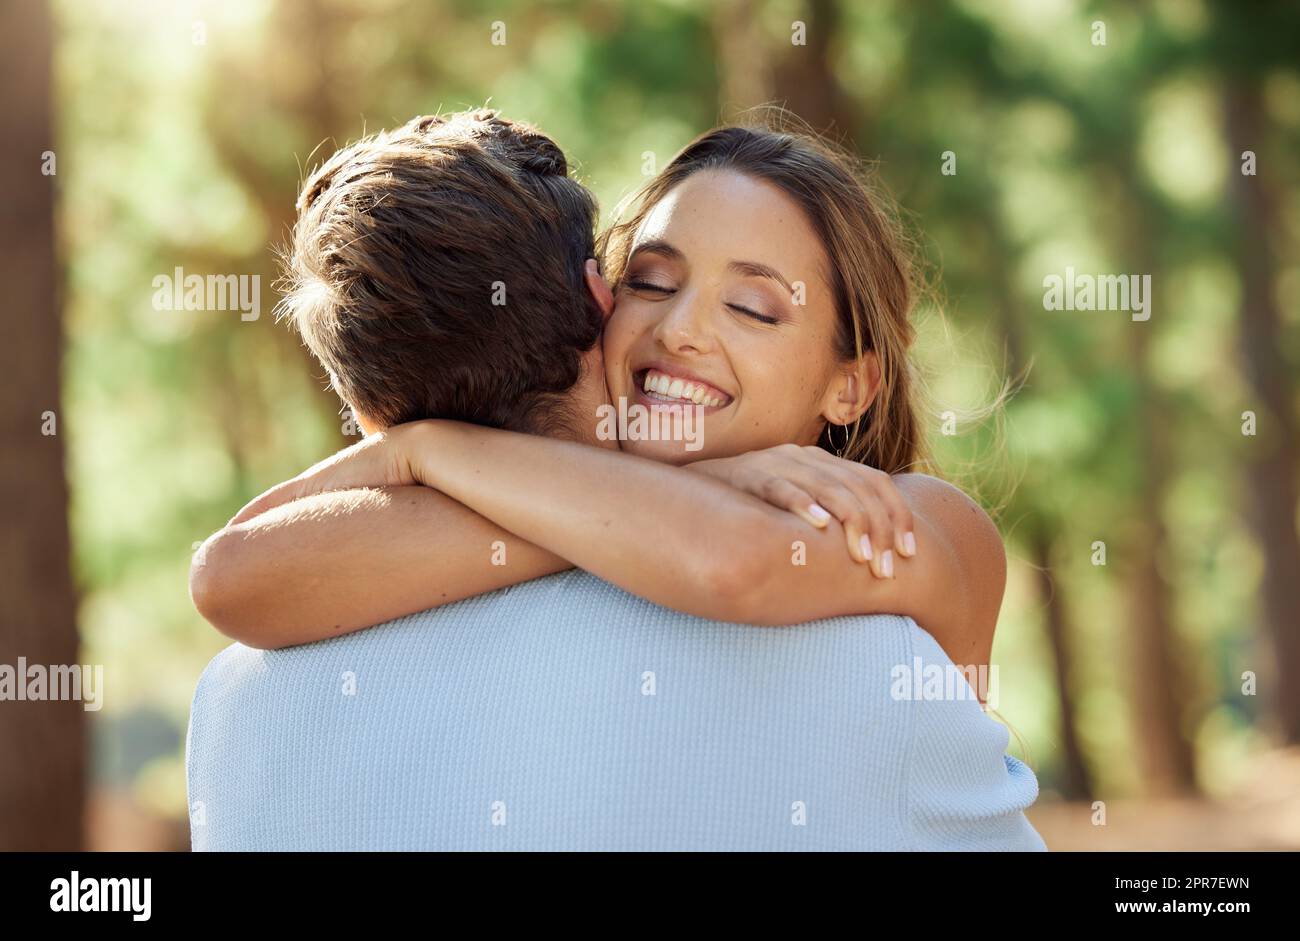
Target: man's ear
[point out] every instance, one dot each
(853, 390)
(600, 291)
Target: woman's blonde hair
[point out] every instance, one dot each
(871, 269)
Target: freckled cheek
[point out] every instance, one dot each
(783, 395)
(620, 334)
(628, 322)
(782, 371)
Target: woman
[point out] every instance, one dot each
(758, 281)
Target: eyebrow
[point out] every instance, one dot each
(751, 269)
(659, 247)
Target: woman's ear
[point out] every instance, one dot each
(853, 390)
(600, 291)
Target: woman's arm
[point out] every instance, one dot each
(674, 536)
(692, 542)
(312, 558)
(336, 562)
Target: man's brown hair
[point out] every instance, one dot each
(436, 271)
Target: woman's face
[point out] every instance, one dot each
(708, 314)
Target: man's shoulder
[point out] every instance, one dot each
(572, 591)
(577, 596)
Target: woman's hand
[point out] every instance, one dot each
(816, 486)
(384, 459)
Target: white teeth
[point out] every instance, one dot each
(683, 389)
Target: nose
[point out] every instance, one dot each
(685, 326)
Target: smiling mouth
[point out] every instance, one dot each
(660, 388)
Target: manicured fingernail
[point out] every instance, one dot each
(865, 543)
(818, 512)
(909, 544)
(887, 563)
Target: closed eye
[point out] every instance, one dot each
(761, 318)
(647, 286)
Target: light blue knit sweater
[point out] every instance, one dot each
(566, 714)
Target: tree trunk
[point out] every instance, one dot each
(805, 77)
(1161, 686)
(1158, 681)
(1273, 464)
(1075, 781)
(42, 743)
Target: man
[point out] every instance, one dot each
(443, 271)
(440, 270)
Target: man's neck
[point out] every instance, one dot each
(582, 405)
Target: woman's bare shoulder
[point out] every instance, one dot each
(971, 539)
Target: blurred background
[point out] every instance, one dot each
(1144, 474)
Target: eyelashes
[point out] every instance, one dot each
(647, 286)
(761, 318)
(637, 285)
